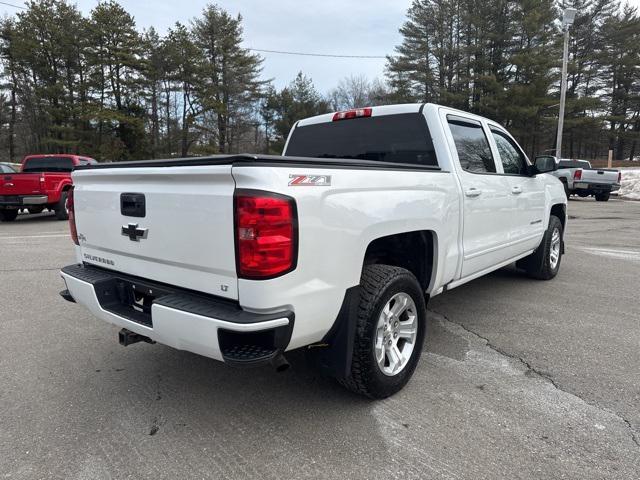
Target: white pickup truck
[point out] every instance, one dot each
(578, 178)
(334, 247)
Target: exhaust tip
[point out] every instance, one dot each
(67, 296)
(280, 363)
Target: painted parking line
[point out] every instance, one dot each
(613, 253)
(22, 237)
(53, 232)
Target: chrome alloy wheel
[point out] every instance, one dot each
(554, 251)
(396, 334)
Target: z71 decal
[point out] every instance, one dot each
(309, 180)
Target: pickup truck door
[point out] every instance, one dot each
(486, 197)
(526, 194)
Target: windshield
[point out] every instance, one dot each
(48, 164)
(402, 138)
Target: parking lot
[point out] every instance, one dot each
(519, 379)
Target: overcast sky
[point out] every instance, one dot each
(343, 27)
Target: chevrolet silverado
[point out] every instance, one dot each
(334, 247)
(578, 178)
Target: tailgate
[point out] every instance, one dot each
(20, 184)
(599, 176)
(169, 224)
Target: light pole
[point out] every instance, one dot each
(568, 16)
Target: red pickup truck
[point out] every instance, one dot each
(43, 182)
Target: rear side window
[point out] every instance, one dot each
(472, 145)
(401, 138)
(48, 164)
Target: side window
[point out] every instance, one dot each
(513, 160)
(472, 145)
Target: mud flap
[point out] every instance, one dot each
(332, 356)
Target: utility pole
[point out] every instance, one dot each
(568, 16)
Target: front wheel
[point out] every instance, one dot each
(544, 263)
(390, 331)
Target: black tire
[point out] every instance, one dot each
(567, 192)
(8, 215)
(61, 207)
(602, 197)
(538, 264)
(379, 283)
(35, 210)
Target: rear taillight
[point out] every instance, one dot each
(577, 175)
(355, 113)
(266, 234)
(72, 217)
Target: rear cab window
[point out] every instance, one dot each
(401, 138)
(47, 164)
(472, 145)
(567, 164)
(574, 164)
(583, 164)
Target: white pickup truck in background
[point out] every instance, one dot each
(334, 247)
(578, 178)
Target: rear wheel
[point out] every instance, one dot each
(544, 263)
(603, 197)
(61, 207)
(390, 331)
(8, 215)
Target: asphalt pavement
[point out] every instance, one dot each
(520, 379)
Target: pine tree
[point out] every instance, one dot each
(622, 76)
(115, 53)
(410, 71)
(230, 84)
(298, 100)
(185, 60)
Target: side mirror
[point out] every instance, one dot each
(544, 164)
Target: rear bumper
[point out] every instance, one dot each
(181, 319)
(596, 187)
(16, 201)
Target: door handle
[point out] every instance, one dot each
(516, 190)
(472, 192)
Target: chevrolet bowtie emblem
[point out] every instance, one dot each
(133, 232)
